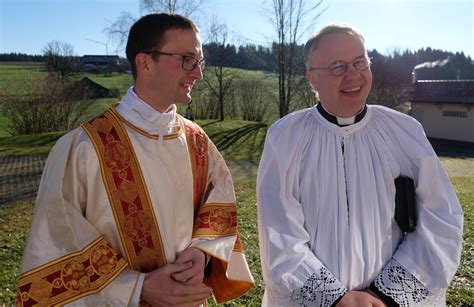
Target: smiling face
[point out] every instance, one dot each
(161, 79)
(345, 95)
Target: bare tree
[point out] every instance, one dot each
(118, 30)
(60, 61)
(393, 96)
(304, 94)
(185, 7)
(203, 105)
(255, 98)
(291, 18)
(43, 104)
(219, 80)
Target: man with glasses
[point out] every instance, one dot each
(137, 205)
(332, 212)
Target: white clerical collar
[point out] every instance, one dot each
(341, 121)
(143, 116)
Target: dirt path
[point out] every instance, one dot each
(19, 176)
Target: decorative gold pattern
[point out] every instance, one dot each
(198, 154)
(128, 196)
(74, 276)
(215, 220)
(71, 277)
(130, 201)
(138, 226)
(116, 156)
(220, 220)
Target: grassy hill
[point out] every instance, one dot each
(236, 139)
(228, 136)
(13, 76)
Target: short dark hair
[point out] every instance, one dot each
(147, 33)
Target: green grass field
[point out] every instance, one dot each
(119, 81)
(12, 75)
(15, 73)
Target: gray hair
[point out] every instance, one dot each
(332, 28)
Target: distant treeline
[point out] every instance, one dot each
(21, 57)
(394, 68)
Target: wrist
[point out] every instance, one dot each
(374, 291)
(144, 292)
(337, 300)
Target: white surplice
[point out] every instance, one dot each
(73, 207)
(326, 211)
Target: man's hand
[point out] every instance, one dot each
(195, 274)
(360, 299)
(160, 289)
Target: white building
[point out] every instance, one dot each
(445, 108)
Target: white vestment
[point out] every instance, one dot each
(326, 211)
(73, 206)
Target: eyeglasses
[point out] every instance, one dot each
(188, 62)
(338, 68)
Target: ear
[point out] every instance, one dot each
(312, 79)
(142, 63)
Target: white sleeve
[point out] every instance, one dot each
(425, 262)
(395, 285)
(432, 252)
(62, 241)
(137, 293)
(290, 269)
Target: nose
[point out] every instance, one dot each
(351, 72)
(196, 73)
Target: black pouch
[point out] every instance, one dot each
(405, 204)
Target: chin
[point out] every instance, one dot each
(185, 100)
(358, 107)
(350, 109)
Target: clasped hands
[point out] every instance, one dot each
(179, 283)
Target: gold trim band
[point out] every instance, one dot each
(127, 192)
(71, 277)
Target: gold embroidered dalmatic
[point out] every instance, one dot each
(149, 202)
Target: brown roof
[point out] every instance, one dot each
(93, 89)
(443, 91)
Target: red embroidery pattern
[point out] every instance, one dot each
(216, 220)
(127, 192)
(197, 147)
(71, 277)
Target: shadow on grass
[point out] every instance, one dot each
(29, 143)
(225, 139)
(242, 143)
(210, 123)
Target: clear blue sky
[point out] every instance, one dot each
(27, 25)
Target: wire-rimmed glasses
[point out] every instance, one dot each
(338, 68)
